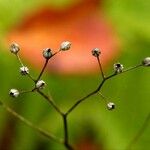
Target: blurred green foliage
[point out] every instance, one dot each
(130, 92)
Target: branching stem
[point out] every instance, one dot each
(66, 138)
(65, 115)
(100, 66)
(98, 89)
(51, 102)
(129, 69)
(44, 67)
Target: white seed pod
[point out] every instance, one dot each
(14, 93)
(24, 70)
(40, 84)
(47, 54)
(146, 62)
(118, 68)
(65, 46)
(110, 106)
(14, 48)
(96, 52)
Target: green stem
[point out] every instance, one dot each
(66, 138)
(140, 132)
(30, 124)
(42, 71)
(50, 101)
(99, 88)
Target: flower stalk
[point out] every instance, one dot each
(40, 84)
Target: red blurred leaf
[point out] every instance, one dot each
(82, 24)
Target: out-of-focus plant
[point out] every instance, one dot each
(83, 22)
(39, 84)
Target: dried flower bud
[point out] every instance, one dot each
(40, 84)
(118, 68)
(146, 62)
(14, 48)
(65, 46)
(24, 70)
(14, 93)
(110, 106)
(47, 54)
(96, 52)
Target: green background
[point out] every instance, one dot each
(130, 91)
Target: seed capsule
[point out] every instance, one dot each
(118, 68)
(24, 70)
(14, 48)
(96, 52)
(47, 54)
(40, 84)
(65, 46)
(146, 62)
(14, 93)
(110, 106)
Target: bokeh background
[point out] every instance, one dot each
(91, 125)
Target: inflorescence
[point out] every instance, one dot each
(40, 84)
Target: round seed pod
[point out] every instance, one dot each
(96, 52)
(110, 106)
(24, 70)
(146, 62)
(40, 84)
(118, 68)
(47, 53)
(65, 46)
(14, 48)
(14, 93)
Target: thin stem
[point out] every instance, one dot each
(140, 132)
(28, 91)
(46, 62)
(85, 97)
(18, 57)
(30, 124)
(31, 78)
(42, 71)
(129, 69)
(55, 53)
(100, 66)
(98, 89)
(51, 102)
(66, 138)
(104, 98)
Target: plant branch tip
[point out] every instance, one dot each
(118, 68)
(14, 48)
(96, 52)
(64, 46)
(24, 70)
(14, 93)
(111, 106)
(47, 53)
(40, 84)
(146, 62)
